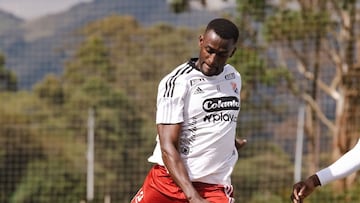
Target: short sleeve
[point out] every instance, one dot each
(170, 102)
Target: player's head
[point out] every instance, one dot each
(217, 44)
(224, 28)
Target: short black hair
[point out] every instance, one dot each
(224, 28)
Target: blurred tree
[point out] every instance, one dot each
(305, 37)
(50, 88)
(8, 80)
(92, 60)
(250, 186)
(89, 81)
(179, 6)
(52, 180)
(29, 136)
(141, 57)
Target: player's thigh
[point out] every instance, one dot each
(220, 199)
(150, 195)
(218, 195)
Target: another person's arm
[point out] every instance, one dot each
(344, 166)
(169, 140)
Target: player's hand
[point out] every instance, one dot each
(240, 143)
(198, 199)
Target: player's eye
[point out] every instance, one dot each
(210, 51)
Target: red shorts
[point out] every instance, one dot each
(159, 187)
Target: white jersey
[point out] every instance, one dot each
(207, 108)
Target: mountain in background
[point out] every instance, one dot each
(38, 47)
(8, 21)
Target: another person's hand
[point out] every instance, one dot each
(303, 189)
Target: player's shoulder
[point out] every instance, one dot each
(180, 73)
(231, 68)
(231, 72)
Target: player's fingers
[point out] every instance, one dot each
(241, 142)
(296, 191)
(302, 192)
(294, 200)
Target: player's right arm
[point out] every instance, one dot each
(169, 139)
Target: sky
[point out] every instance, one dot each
(32, 9)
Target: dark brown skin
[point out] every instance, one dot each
(214, 52)
(169, 136)
(240, 143)
(304, 188)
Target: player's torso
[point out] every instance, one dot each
(211, 109)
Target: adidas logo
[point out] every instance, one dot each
(198, 91)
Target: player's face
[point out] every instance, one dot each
(214, 52)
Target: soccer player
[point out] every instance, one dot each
(197, 109)
(344, 166)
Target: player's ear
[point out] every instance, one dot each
(201, 40)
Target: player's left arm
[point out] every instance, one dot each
(239, 143)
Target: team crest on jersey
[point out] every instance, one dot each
(196, 81)
(234, 87)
